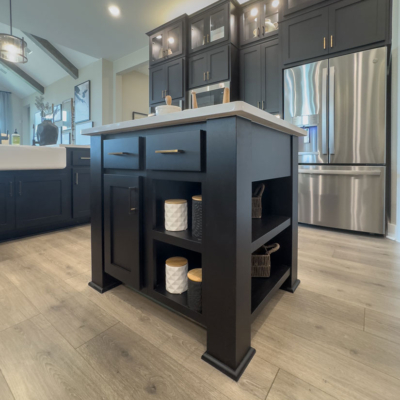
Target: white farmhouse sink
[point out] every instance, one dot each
(16, 158)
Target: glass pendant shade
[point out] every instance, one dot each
(12, 48)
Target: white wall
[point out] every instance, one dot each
(135, 94)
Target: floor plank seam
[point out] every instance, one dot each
(277, 372)
(9, 387)
(365, 311)
(94, 337)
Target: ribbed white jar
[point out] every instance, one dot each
(176, 280)
(176, 215)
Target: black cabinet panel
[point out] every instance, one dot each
(354, 23)
(42, 199)
(271, 79)
(305, 37)
(122, 234)
(292, 6)
(174, 152)
(158, 84)
(174, 78)
(7, 203)
(81, 157)
(122, 153)
(197, 70)
(250, 75)
(80, 192)
(218, 65)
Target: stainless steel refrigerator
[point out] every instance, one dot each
(341, 102)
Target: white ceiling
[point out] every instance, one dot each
(86, 25)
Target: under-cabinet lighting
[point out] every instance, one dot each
(114, 11)
(275, 3)
(159, 37)
(254, 11)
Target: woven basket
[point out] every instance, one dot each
(256, 210)
(261, 263)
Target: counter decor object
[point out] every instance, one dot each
(195, 285)
(197, 216)
(176, 280)
(176, 215)
(227, 96)
(261, 263)
(257, 202)
(194, 100)
(168, 108)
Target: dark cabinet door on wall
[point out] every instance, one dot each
(354, 23)
(197, 70)
(174, 78)
(305, 37)
(292, 6)
(7, 203)
(122, 221)
(218, 65)
(80, 192)
(157, 84)
(250, 76)
(271, 79)
(42, 199)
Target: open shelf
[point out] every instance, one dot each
(181, 239)
(262, 289)
(266, 228)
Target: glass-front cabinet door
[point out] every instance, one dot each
(270, 20)
(157, 50)
(217, 22)
(166, 43)
(251, 23)
(198, 34)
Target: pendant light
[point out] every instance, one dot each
(12, 48)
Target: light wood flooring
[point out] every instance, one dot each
(336, 338)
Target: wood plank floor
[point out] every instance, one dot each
(336, 338)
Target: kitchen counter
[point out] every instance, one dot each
(222, 153)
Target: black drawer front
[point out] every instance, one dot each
(81, 157)
(122, 153)
(175, 152)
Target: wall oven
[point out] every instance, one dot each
(209, 95)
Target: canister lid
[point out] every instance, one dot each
(198, 198)
(176, 262)
(195, 275)
(175, 201)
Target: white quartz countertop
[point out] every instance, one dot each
(17, 158)
(238, 108)
(70, 146)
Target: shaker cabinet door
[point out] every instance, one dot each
(271, 77)
(122, 234)
(218, 65)
(174, 76)
(292, 6)
(250, 24)
(197, 70)
(158, 84)
(250, 76)
(173, 36)
(305, 37)
(354, 23)
(7, 203)
(80, 192)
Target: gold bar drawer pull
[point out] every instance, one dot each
(123, 153)
(168, 151)
(85, 158)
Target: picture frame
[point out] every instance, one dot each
(138, 115)
(57, 113)
(79, 138)
(82, 102)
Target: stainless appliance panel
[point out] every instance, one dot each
(306, 106)
(209, 95)
(343, 197)
(357, 108)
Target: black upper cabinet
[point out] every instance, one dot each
(168, 41)
(167, 79)
(122, 222)
(261, 64)
(209, 67)
(80, 192)
(7, 194)
(42, 199)
(292, 6)
(306, 36)
(258, 21)
(354, 23)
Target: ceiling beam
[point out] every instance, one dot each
(23, 75)
(51, 51)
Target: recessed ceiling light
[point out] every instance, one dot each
(275, 3)
(254, 11)
(171, 40)
(114, 11)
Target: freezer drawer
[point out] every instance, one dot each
(343, 197)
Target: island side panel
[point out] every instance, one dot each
(101, 281)
(227, 245)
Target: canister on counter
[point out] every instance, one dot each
(197, 216)
(176, 215)
(176, 269)
(195, 283)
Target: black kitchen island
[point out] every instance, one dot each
(222, 153)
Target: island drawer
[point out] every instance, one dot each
(181, 151)
(122, 153)
(81, 157)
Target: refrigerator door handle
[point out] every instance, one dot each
(339, 172)
(332, 110)
(324, 110)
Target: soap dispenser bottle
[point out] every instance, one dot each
(16, 138)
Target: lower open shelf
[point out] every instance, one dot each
(262, 289)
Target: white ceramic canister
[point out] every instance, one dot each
(176, 280)
(176, 215)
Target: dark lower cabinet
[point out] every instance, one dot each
(250, 75)
(42, 199)
(80, 192)
(122, 222)
(7, 203)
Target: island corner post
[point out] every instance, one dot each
(236, 155)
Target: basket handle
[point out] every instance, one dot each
(272, 248)
(259, 191)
